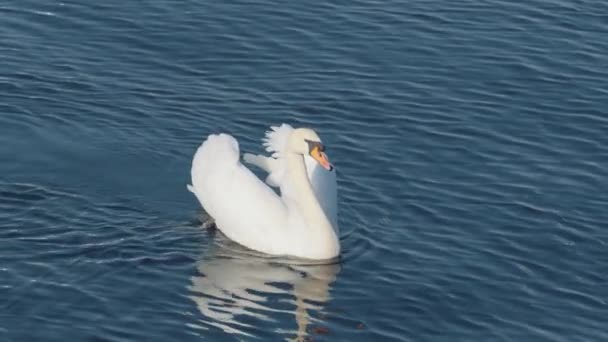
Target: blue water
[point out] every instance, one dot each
(470, 140)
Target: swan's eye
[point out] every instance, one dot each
(314, 147)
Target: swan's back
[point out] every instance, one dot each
(244, 208)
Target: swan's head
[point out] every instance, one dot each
(305, 141)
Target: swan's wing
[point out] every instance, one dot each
(325, 186)
(244, 208)
(267, 164)
(275, 142)
(274, 167)
(276, 139)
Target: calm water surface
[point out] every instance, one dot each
(470, 140)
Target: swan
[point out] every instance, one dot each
(300, 222)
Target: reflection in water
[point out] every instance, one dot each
(238, 286)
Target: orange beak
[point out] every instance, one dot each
(321, 158)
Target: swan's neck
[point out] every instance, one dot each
(308, 204)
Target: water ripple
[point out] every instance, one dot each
(469, 139)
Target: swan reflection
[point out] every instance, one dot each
(236, 287)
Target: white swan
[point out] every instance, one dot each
(301, 222)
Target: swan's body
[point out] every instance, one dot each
(301, 222)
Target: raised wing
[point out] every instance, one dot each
(241, 204)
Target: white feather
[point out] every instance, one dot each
(276, 139)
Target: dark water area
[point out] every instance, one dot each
(470, 140)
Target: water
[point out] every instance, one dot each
(469, 138)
